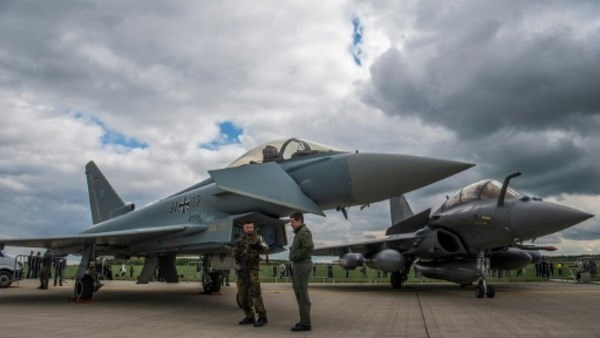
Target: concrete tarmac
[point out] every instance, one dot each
(122, 308)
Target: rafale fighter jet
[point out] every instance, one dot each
(267, 183)
(477, 230)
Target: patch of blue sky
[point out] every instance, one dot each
(111, 136)
(357, 41)
(228, 134)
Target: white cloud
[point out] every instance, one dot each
(165, 74)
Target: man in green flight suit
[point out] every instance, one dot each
(246, 252)
(300, 255)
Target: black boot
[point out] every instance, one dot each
(301, 327)
(261, 321)
(247, 320)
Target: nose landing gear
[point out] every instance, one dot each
(483, 289)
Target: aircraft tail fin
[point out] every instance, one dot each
(104, 200)
(400, 209)
(404, 219)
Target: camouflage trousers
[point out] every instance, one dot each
(250, 294)
(44, 276)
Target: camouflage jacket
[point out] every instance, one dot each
(302, 246)
(247, 252)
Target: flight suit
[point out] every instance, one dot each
(46, 264)
(247, 256)
(300, 255)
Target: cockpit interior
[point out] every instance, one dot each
(485, 189)
(281, 150)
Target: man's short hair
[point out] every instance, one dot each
(248, 221)
(297, 216)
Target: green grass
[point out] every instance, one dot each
(339, 275)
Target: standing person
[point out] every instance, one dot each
(46, 263)
(123, 270)
(247, 256)
(281, 270)
(131, 270)
(329, 271)
(300, 255)
(36, 261)
(30, 264)
(59, 268)
(559, 268)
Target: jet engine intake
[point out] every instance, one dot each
(510, 259)
(438, 243)
(461, 272)
(351, 260)
(388, 260)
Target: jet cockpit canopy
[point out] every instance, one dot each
(281, 150)
(485, 189)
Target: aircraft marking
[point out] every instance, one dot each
(185, 204)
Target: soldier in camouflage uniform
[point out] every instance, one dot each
(300, 255)
(246, 252)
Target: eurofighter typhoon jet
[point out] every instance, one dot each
(267, 183)
(479, 229)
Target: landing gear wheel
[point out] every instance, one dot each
(491, 291)
(212, 284)
(84, 288)
(479, 291)
(5, 279)
(396, 280)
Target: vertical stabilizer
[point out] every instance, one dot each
(399, 209)
(404, 219)
(103, 198)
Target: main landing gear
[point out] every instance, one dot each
(397, 278)
(86, 281)
(211, 281)
(483, 289)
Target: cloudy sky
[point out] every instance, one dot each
(157, 93)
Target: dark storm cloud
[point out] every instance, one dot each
(519, 85)
(587, 230)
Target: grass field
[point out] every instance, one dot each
(188, 273)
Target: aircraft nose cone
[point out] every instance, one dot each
(375, 177)
(531, 219)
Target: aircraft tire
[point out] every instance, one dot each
(479, 291)
(84, 288)
(5, 279)
(396, 280)
(491, 291)
(213, 284)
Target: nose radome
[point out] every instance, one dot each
(375, 177)
(535, 218)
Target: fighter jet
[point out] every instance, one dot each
(265, 184)
(479, 229)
